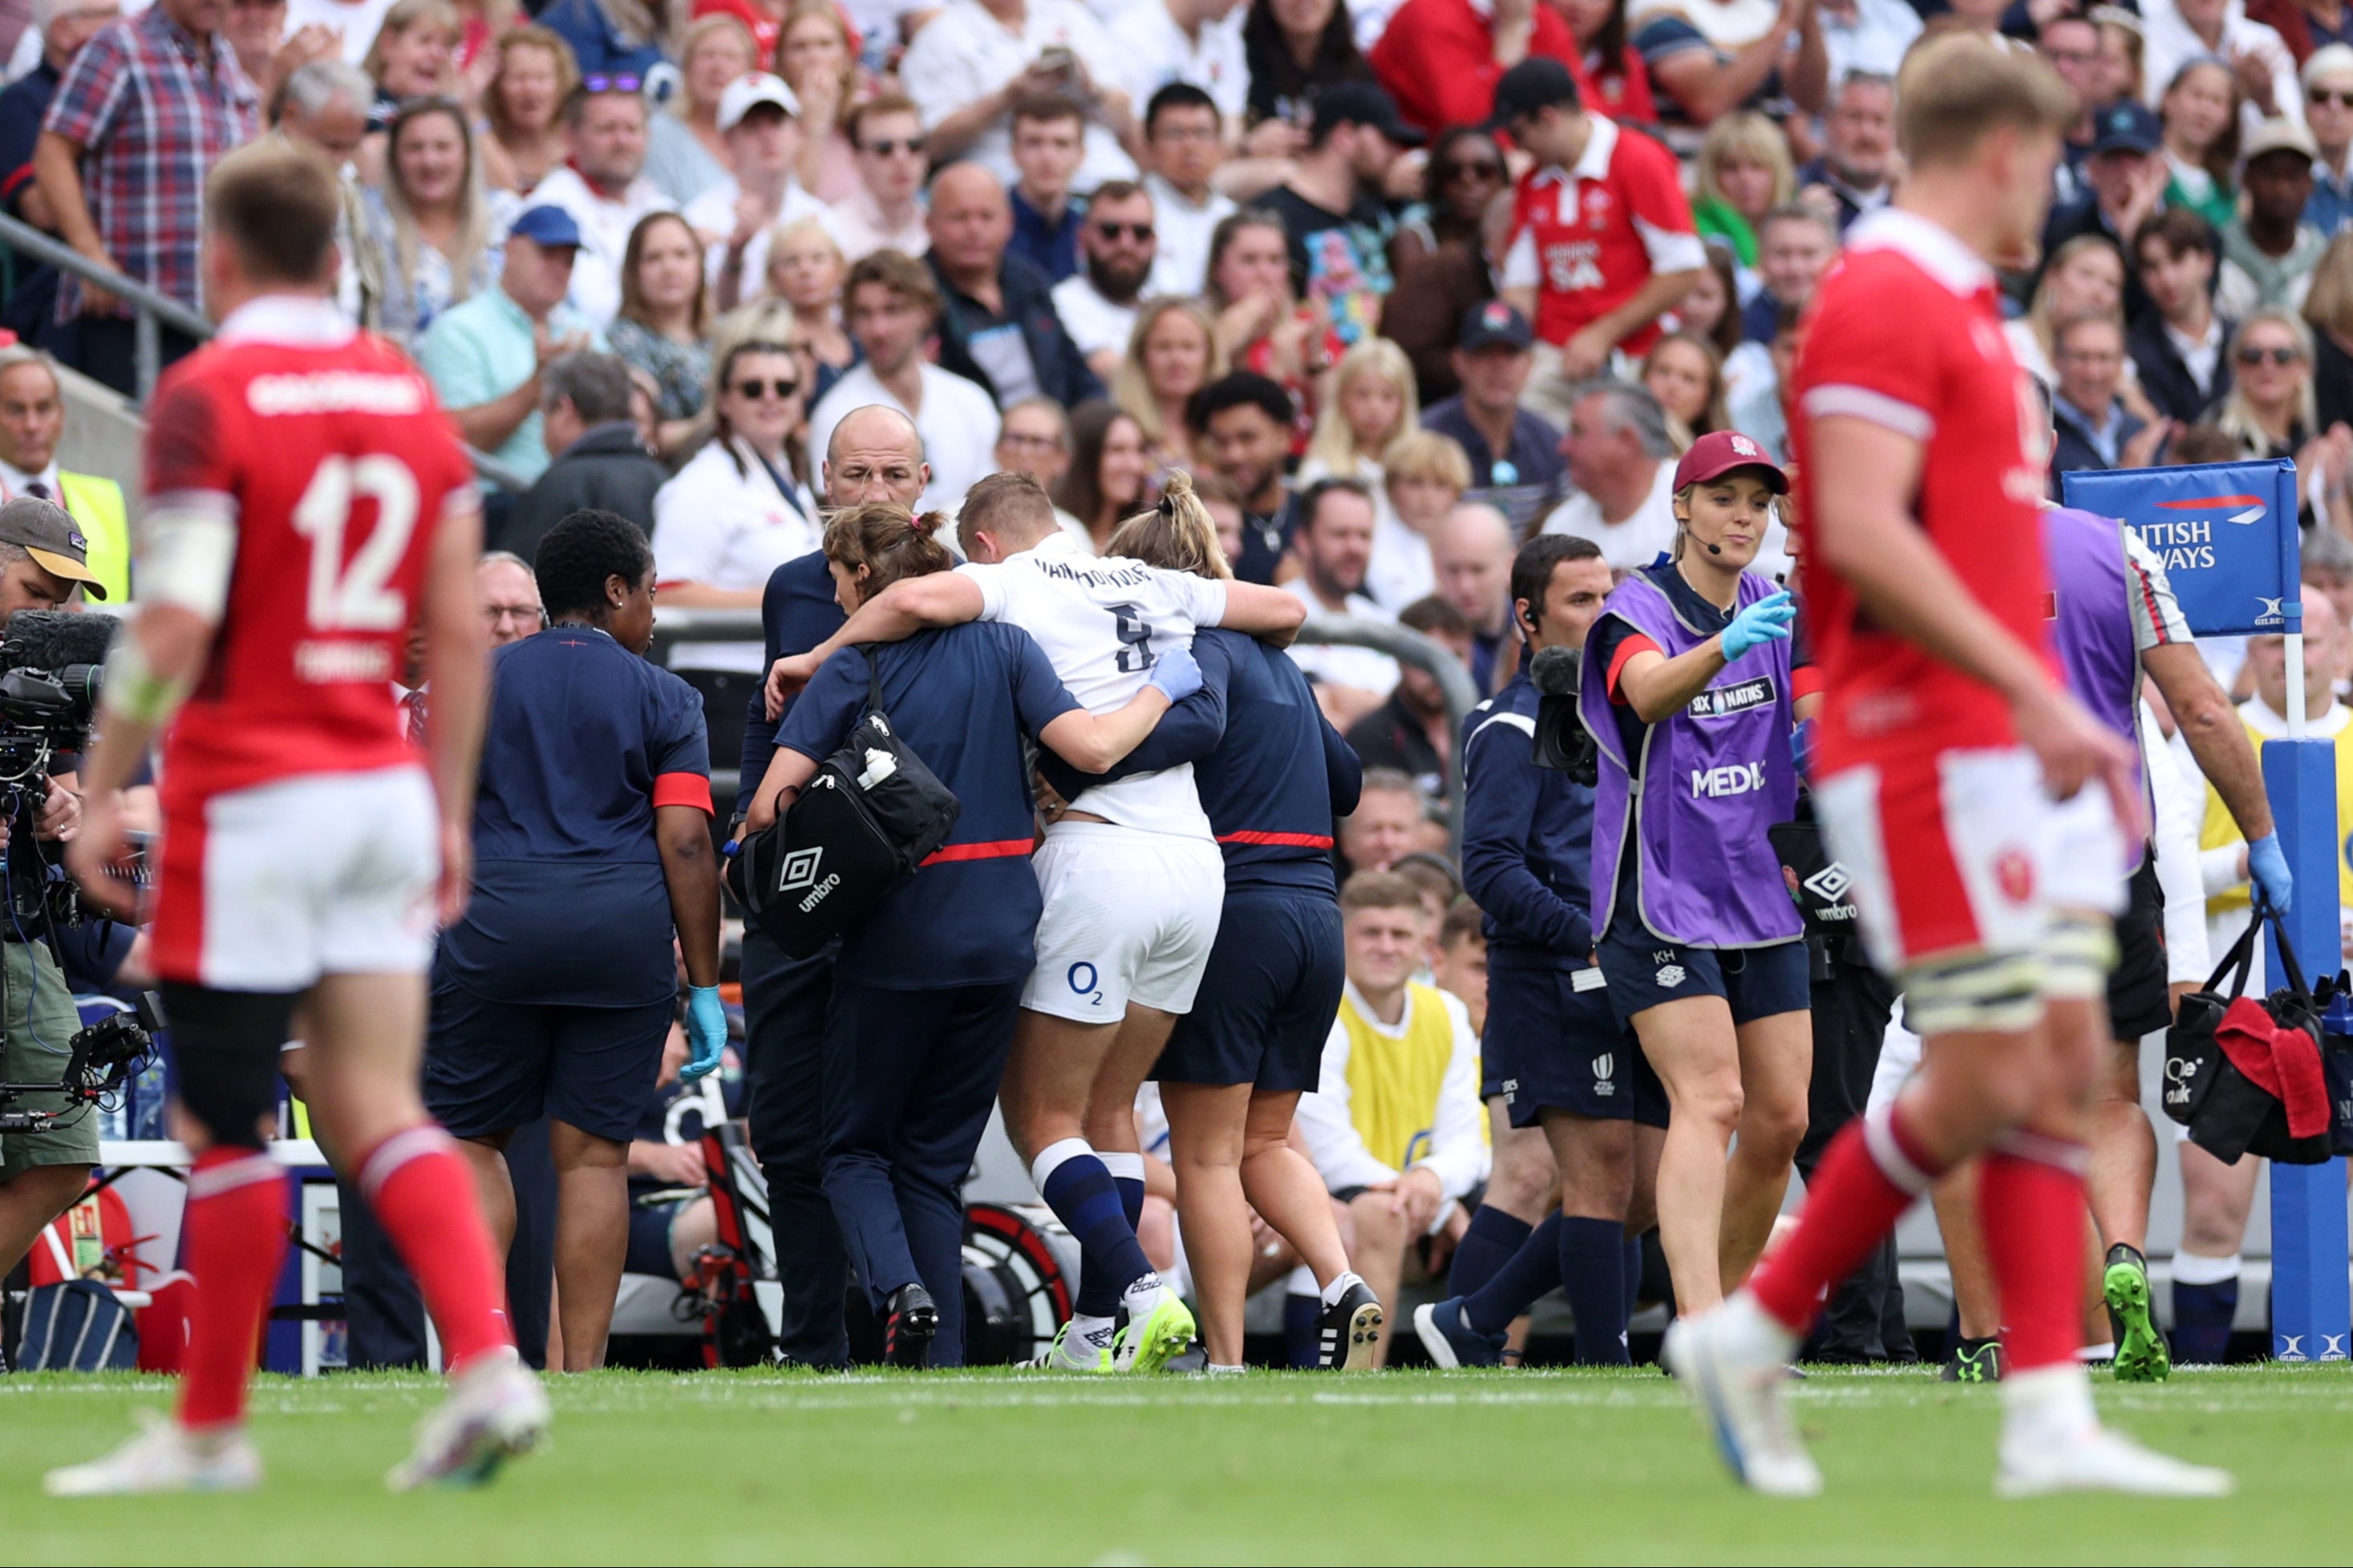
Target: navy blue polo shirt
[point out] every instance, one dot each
(796, 612)
(962, 698)
(570, 906)
(1527, 838)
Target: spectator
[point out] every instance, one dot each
(818, 60)
(686, 149)
(892, 305)
(2328, 309)
(2068, 43)
(997, 326)
(323, 106)
(604, 186)
(1332, 543)
(2121, 76)
(1245, 424)
(1742, 173)
(1471, 555)
(2177, 347)
(1621, 461)
(971, 64)
(884, 212)
(1183, 144)
(1713, 56)
(414, 54)
(1098, 305)
(2260, 65)
(533, 77)
(434, 232)
(1391, 822)
(1049, 144)
(1035, 438)
(805, 272)
(2269, 410)
(595, 462)
(1683, 374)
(1109, 476)
(1171, 355)
(1411, 731)
(611, 41)
(267, 53)
(1439, 286)
(1590, 292)
(557, 988)
(761, 121)
(2201, 115)
(65, 27)
(1335, 224)
(2269, 250)
(1460, 967)
(2126, 174)
(1422, 478)
(1464, 176)
(2329, 113)
(2304, 25)
(663, 326)
(1795, 246)
(485, 357)
(32, 424)
(1761, 413)
(146, 109)
(1440, 58)
(1613, 67)
(2084, 277)
(1394, 1129)
(1372, 407)
(1295, 48)
(1261, 325)
(1515, 455)
(1868, 38)
(2095, 430)
(739, 509)
(511, 602)
(1712, 310)
(1193, 44)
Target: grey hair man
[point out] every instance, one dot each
(324, 106)
(598, 459)
(1620, 458)
(511, 602)
(875, 453)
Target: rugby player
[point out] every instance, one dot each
(1944, 739)
(306, 505)
(1131, 877)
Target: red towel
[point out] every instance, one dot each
(2283, 1062)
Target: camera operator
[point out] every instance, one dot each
(43, 557)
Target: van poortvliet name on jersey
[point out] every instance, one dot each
(1129, 576)
(322, 662)
(2178, 547)
(335, 392)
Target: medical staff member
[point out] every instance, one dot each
(1687, 690)
(592, 847)
(928, 984)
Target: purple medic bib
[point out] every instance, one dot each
(1708, 782)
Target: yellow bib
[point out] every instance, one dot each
(1393, 1080)
(2220, 829)
(96, 504)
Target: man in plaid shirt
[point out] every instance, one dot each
(146, 109)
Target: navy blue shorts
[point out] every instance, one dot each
(491, 1066)
(1267, 998)
(1550, 1044)
(1645, 969)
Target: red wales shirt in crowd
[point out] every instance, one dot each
(1588, 238)
(1907, 334)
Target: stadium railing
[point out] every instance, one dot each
(1406, 646)
(153, 312)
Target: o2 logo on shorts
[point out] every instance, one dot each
(1084, 977)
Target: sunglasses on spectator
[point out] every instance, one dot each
(1139, 232)
(755, 388)
(2254, 353)
(2331, 96)
(888, 147)
(611, 83)
(1480, 168)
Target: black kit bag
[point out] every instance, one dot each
(872, 814)
(2227, 1111)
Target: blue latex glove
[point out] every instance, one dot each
(706, 1032)
(1766, 620)
(2267, 865)
(1176, 674)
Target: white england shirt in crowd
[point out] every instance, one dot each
(1157, 52)
(957, 421)
(357, 23)
(857, 226)
(724, 522)
(2169, 44)
(1093, 323)
(1401, 570)
(1632, 543)
(1365, 669)
(603, 236)
(1102, 622)
(964, 54)
(713, 216)
(1183, 229)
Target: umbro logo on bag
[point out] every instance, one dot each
(800, 869)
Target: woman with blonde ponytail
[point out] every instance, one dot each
(928, 982)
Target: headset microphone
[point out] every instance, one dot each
(1715, 549)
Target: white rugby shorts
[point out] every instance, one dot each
(269, 888)
(1129, 917)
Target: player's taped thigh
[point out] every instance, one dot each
(2079, 949)
(227, 1043)
(1973, 993)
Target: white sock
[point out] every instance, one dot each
(1339, 1287)
(1752, 1334)
(1094, 1333)
(2047, 1406)
(1214, 1370)
(1128, 1165)
(1302, 1282)
(1139, 1295)
(2191, 1268)
(1051, 1158)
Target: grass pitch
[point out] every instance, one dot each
(1005, 1468)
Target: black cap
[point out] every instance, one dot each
(2127, 125)
(1361, 104)
(1535, 83)
(1493, 324)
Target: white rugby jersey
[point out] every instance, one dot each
(1104, 622)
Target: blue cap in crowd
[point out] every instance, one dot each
(549, 226)
(1491, 324)
(2125, 126)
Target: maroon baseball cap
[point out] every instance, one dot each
(1718, 453)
